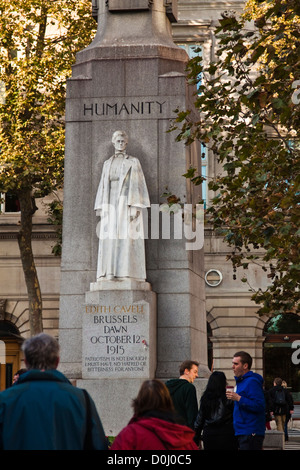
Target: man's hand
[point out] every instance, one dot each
(232, 395)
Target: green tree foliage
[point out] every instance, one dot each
(249, 107)
(38, 43)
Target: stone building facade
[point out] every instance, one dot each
(14, 319)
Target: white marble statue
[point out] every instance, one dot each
(122, 193)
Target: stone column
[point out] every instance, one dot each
(131, 77)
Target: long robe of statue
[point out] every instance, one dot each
(121, 197)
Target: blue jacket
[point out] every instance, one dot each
(44, 411)
(249, 412)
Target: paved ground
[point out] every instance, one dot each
(294, 434)
(294, 440)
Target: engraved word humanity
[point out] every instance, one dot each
(110, 108)
(123, 109)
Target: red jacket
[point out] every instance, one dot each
(149, 433)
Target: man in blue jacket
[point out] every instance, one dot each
(43, 410)
(249, 407)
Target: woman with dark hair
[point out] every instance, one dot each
(214, 423)
(154, 425)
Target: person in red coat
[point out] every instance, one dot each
(154, 425)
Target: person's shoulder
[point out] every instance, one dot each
(254, 376)
(192, 384)
(173, 383)
(179, 385)
(15, 389)
(189, 386)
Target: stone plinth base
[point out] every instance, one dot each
(119, 334)
(119, 331)
(113, 400)
(120, 284)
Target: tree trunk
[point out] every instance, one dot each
(27, 208)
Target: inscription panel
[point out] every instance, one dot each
(93, 109)
(116, 341)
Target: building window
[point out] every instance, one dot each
(210, 354)
(194, 50)
(281, 332)
(204, 174)
(9, 203)
(10, 353)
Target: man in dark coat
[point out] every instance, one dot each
(184, 394)
(43, 410)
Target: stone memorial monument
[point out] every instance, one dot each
(132, 277)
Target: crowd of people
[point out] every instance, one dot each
(42, 410)
(236, 419)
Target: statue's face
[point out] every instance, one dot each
(120, 143)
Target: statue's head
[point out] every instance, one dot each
(118, 134)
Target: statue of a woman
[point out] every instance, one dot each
(121, 196)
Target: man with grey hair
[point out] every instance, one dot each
(43, 410)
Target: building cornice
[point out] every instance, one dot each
(39, 232)
(187, 5)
